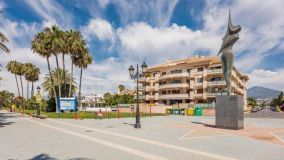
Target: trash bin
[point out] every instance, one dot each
(169, 111)
(190, 111)
(182, 112)
(176, 111)
(198, 111)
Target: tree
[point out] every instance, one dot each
(82, 61)
(121, 87)
(31, 75)
(12, 68)
(280, 99)
(47, 85)
(3, 40)
(6, 98)
(251, 101)
(21, 71)
(41, 44)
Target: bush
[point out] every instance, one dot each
(51, 106)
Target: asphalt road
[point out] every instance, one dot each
(265, 113)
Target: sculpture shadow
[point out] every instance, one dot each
(131, 124)
(44, 156)
(4, 117)
(204, 124)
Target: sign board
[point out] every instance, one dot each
(67, 104)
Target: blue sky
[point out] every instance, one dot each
(121, 32)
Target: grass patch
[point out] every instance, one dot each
(87, 115)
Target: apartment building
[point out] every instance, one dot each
(193, 80)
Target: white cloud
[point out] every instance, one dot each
(101, 29)
(51, 11)
(267, 78)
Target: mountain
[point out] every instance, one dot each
(262, 92)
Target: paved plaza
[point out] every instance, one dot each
(160, 138)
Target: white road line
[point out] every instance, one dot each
(193, 151)
(186, 134)
(103, 142)
(205, 137)
(280, 139)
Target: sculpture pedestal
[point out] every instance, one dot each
(229, 112)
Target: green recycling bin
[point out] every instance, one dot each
(169, 111)
(198, 111)
(176, 111)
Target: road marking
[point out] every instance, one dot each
(205, 137)
(193, 151)
(280, 139)
(103, 142)
(186, 134)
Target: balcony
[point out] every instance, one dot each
(174, 96)
(214, 94)
(141, 97)
(179, 85)
(174, 75)
(150, 97)
(214, 71)
(150, 88)
(213, 83)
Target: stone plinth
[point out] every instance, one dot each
(229, 112)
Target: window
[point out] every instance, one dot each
(164, 92)
(200, 69)
(188, 70)
(199, 91)
(199, 80)
(188, 91)
(164, 73)
(175, 91)
(176, 82)
(176, 71)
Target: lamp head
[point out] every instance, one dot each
(144, 67)
(131, 71)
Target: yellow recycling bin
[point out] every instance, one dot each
(190, 112)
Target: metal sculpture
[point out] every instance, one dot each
(227, 57)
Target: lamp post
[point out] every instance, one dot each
(137, 75)
(38, 100)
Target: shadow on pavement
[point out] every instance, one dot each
(204, 124)
(4, 117)
(48, 157)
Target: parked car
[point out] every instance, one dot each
(255, 109)
(273, 108)
(282, 108)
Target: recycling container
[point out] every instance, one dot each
(190, 111)
(169, 111)
(198, 111)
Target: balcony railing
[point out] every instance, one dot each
(216, 94)
(173, 75)
(174, 96)
(212, 71)
(178, 85)
(216, 82)
(141, 97)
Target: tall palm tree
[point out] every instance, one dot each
(34, 78)
(54, 35)
(12, 68)
(28, 74)
(20, 71)
(42, 45)
(76, 46)
(82, 61)
(3, 40)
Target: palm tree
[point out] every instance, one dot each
(82, 61)
(3, 40)
(20, 71)
(75, 46)
(47, 85)
(121, 87)
(28, 73)
(12, 68)
(34, 78)
(42, 45)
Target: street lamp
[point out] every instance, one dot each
(38, 100)
(137, 75)
(38, 89)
